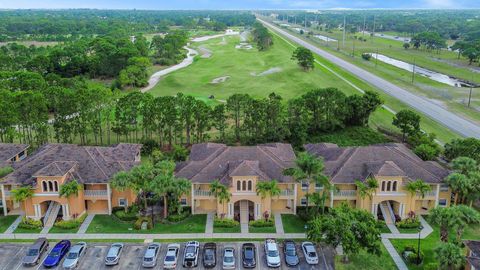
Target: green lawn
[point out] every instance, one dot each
(60, 230)
(235, 229)
(432, 241)
(364, 260)
(293, 224)
(6, 221)
(262, 229)
(110, 224)
(20, 230)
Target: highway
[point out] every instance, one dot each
(441, 115)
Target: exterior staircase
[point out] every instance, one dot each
(387, 215)
(244, 216)
(50, 216)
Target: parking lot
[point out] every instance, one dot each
(131, 258)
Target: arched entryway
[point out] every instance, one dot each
(244, 211)
(390, 211)
(50, 211)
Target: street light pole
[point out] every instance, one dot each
(413, 70)
(418, 247)
(376, 59)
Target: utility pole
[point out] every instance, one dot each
(364, 24)
(295, 19)
(413, 70)
(376, 59)
(373, 31)
(305, 21)
(470, 94)
(344, 29)
(353, 49)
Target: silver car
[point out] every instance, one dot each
(35, 252)
(74, 255)
(310, 252)
(171, 258)
(151, 255)
(113, 255)
(229, 258)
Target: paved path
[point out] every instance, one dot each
(394, 254)
(209, 225)
(14, 225)
(279, 223)
(429, 108)
(46, 229)
(393, 228)
(426, 231)
(83, 228)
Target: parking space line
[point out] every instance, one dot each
(14, 258)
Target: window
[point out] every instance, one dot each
(239, 185)
(244, 185)
(383, 185)
(122, 202)
(249, 185)
(442, 202)
(303, 201)
(50, 186)
(183, 201)
(394, 187)
(318, 186)
(305, 185)
(444, 187)
(56, 186)
(44, 186)
(389, 185)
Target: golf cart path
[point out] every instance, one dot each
(155, 78)
(441, 115)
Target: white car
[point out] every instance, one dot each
(190, 256)
(171, 258)
(74, 255)
(229, 258)
(272, 254)
(113, 255)
(151, 255)
(310, 252)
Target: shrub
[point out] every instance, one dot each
(178, 217)
(431, 266)
(262, 223)
(225, 223)
(366, 56)
(70, 224)
(30, 224)
(426, 152)
(148, 145)
(409, 223)
(138, 224)
(5, 170)
(130, 215)
(410, 254)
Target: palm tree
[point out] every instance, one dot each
(180, 187)
(417, 187)
(308, 169)
(449, 256)
(366, 189)
(445, 218)
(215, 187)
(465, 215)
(70, 188)
(21, 194)
(265, 189)
(163, 182)
(223, 197)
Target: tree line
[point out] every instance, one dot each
(262, 36)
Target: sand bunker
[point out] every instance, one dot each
(220, 79)
(267, 72)
(244, 46)
(205, 53)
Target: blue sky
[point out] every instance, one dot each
(238, 4)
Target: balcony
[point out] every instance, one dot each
(7, 193)
(286, 192)
(202, 193)
(432, 193)
(95, 193)
(345, 193)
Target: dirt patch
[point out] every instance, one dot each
(244, 46)
(220, 80)
(266, 72)
(204, 52)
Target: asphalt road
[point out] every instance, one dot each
(131, 258)
(448, 119)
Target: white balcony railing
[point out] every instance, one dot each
(286, 192)
(7, 193)
(345, 193)
(205, 193)
(96, 193)
(431, 193)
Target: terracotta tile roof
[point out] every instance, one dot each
(347, 164)
(211, 161)
(90, 164)
(10, 150)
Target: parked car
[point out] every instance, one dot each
(249, 255)
(74, 255)
(190, 256)
(272, 255)
(228, 258)
(57, 253)
(35, 252)
(151, 255)
(310, 252)
(209, 255)
(290, 252)
(113, 255)
(171, 258)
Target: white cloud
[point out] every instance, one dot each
(441, 3)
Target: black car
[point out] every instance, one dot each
(291, 257)
(249, 254)
(209, 255)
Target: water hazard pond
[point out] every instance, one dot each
(439, 77)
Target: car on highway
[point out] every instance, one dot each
(272, 256)
(74, 254)
(310, 252)
(290, 252)
(209, 255)
(113, 254)
(35, 252)
(151, 255)
(57, 253)
(190, 255)
(228, 258)
(249, 255)
(171, 257)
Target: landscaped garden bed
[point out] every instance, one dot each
(68, 226)
(225, 225)
(29, 225)
(266, 225)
